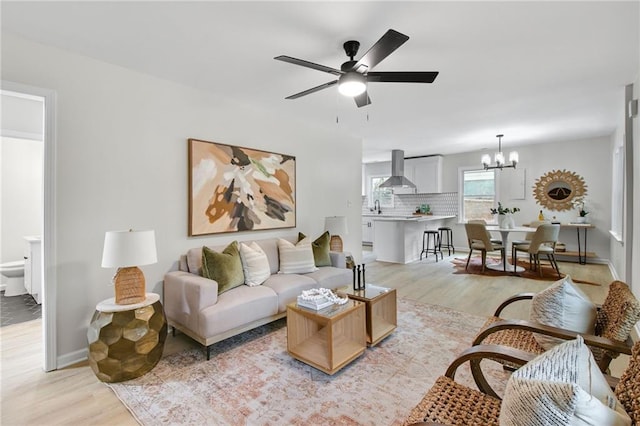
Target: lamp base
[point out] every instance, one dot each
(336, 243)
(130, 285)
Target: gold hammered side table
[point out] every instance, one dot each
(126, 341)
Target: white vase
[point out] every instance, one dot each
(505, 221)
(581, 219)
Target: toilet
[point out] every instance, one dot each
(13, 278)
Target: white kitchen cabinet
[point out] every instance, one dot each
(33, 267)
(367, 230)
(426, 173)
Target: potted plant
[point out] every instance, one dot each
(505, 220)
(582, 212)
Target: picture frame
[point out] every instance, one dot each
(234, 188)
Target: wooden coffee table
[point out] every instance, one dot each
(327, 339)
(381, 309)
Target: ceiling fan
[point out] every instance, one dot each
(353, 76)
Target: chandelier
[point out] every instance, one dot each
(499, 158)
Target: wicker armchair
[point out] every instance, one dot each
(450, 403)
(615, 319)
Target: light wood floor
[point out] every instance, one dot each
(73, 395)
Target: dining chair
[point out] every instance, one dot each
(543, 242)
(529, 235)
(478, 238)
(484, 222)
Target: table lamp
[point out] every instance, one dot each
(336, 225)
(126, 250)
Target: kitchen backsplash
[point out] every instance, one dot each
(443, 204)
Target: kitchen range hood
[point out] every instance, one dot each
(397, 178)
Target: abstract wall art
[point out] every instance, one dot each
(232, 189)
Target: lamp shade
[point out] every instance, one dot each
(336, 225)
(129, 248)
(352, 84)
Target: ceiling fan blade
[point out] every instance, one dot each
(362, 99)
(384, 47)
(312, 90)
(402, 76)
(308, 64)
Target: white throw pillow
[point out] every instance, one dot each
(563, 305)
(254, 264)
(563, 386)
(296, 258)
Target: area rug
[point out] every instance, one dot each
(475, 267)
(251, 380)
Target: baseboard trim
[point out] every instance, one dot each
(72, 358)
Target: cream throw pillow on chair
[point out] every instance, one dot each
(563, 386)
(563, 305)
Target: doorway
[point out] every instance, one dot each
(46, 275)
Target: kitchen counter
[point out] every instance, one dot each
(414, 218)
(398, 239)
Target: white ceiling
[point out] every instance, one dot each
(535, 71)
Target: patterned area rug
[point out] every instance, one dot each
(251, 379)
(475, 267)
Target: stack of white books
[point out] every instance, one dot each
(314, 304)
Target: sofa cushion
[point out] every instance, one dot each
(563, 305)
(320, 247)
(255, 264)
(225, 267)
(296, 258)
(237, 307)
(563, 386)
(288, 287)
(330, 277)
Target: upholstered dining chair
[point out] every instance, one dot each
(451, 403)
(478, 239)
(543, 242)
(529, 235)
(484, 222)
(615, 319)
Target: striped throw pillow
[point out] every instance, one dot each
(296, 258)
(562, 305)
(254, 264)
(563, 386)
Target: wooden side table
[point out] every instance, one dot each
(381, 310)
(126, 341)
(327, 339)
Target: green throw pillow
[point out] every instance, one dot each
(225, 267)
(320, 249)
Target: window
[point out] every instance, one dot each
(477, 194)
(617, 194)
(385, 195)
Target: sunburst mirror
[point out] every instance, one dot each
(557, 189)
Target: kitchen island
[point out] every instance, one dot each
(398, 239)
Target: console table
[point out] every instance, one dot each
(126, 341)
(582, 252)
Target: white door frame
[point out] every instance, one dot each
(49, 286)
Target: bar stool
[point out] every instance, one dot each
(436, 244)
(446, 231)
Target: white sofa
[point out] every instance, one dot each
(193, 306)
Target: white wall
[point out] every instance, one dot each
(590, 159)
(21, 205)
(122, 163)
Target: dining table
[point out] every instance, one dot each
(504, 233)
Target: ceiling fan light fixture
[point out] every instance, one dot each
(352, 84)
